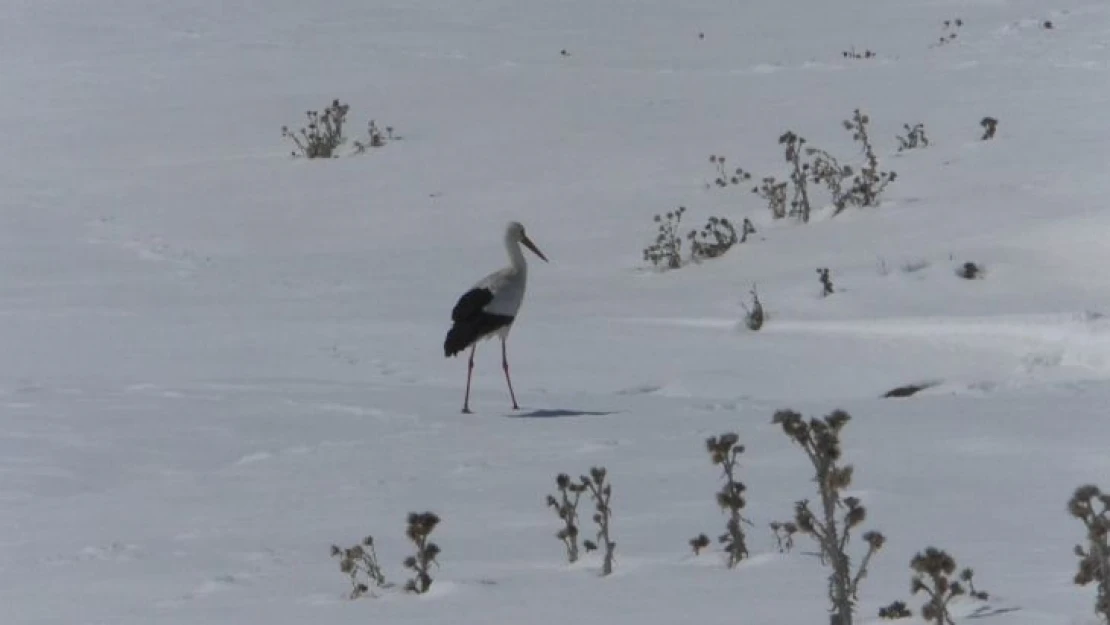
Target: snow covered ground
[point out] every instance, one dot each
(221, 360)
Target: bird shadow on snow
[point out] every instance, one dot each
(557, 413)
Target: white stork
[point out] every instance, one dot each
(490, 307)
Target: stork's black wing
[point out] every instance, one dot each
(471, 322)
(471, 303)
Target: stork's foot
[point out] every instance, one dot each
(466, 410)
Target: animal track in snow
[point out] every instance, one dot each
(256, 457)
(590, 447)
(149, 247)
(258, 565)
(112, 552)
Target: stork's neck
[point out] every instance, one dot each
(516, 255)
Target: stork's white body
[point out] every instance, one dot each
(507, 285)
(490, 307)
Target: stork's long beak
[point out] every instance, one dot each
(532, 246)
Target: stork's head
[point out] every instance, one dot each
(515, 234)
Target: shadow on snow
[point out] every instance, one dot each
(555, 413)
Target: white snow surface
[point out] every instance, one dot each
(221, 360)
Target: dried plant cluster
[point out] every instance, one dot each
(420, 527)
(784, 535)
(990, 127)
(1092, 508)
(915, 138)
(566, 508)
(819, 439)
(724, 177)
(969, 271)
(827, 171)
(724, 451)
(375, 138)
(716, 237)
(845, 186)
(601, 492)
(666, 251)
(826, 281)
(699, 542)
(831, 522)
(774, 193)
(853, 54)
(793, 145)
(754, 316)
(949, 32)
(870, 182)
(360, 564)
(896, 610)
(322, 135)
(933, 576)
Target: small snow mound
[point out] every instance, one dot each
(258, 456)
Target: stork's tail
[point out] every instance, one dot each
(466, 332)
(459, 337)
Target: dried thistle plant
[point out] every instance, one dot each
(969, 271)
(601, 492)
(933, 575)
(699, 542)
(819, 439)
(322, 134)
(826, 281)
(566, 508)
(915, 138)
(1092, 507)
(667, 248)
(360, 564)
(420, 527)
(376, 138)
(990, 127)
(754, 316)
(746, 229)
(724, 177)
(774, 193)
(724, 451)
(852, 54)
(870, 182)
(949, 33)
(793, 148)
(716, 237)
(784, 535)
(827, 170)
(896, 610)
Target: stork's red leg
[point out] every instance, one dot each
(505, 366)
(469, 371)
